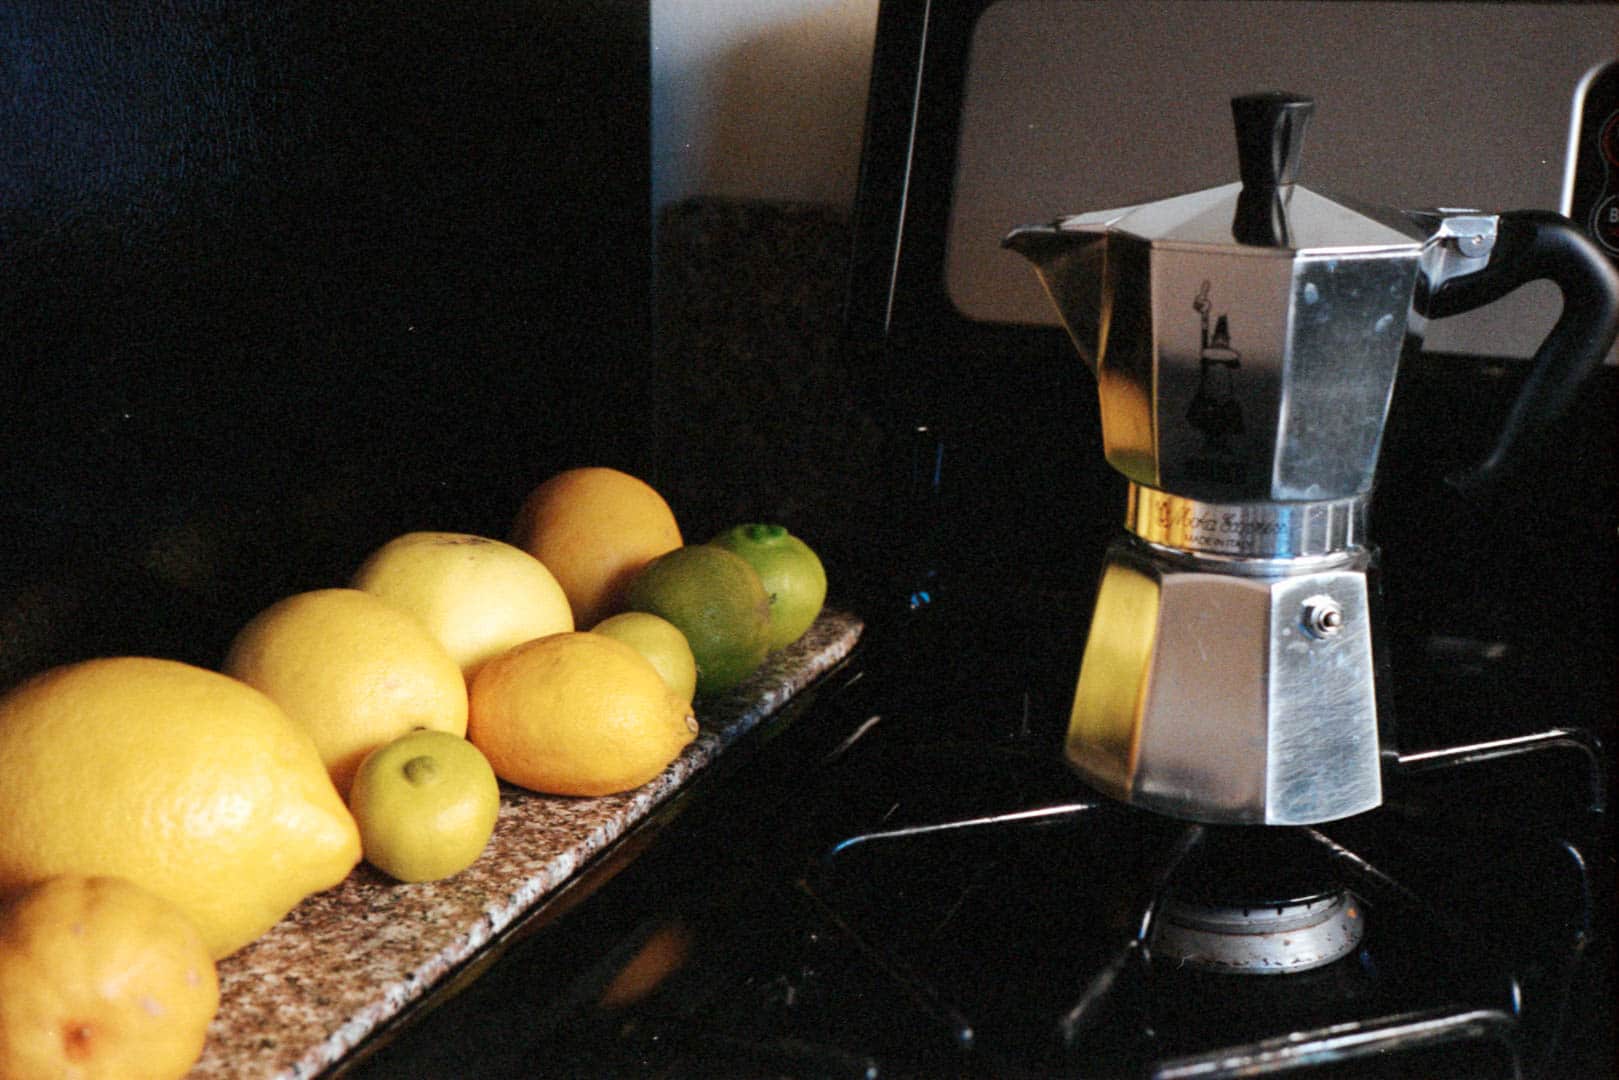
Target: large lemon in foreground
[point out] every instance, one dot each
(188, 783)
(478, 596)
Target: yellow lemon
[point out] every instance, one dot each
(595, 528)
(577, 714)
(426, 804)
(478, 596)
(661, 642)
(190, 784)
(101, 980)
(790, 571)
(353, 669)
(717, 600)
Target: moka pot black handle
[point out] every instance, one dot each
(1534, 245)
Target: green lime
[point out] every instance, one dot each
(426, 805)
(792, 575)
(716, 599)
(661, 642)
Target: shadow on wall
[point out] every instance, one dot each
(776, 112)
(763, 416)
(760, 416)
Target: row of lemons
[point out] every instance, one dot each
(156, 816)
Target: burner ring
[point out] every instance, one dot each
(1271, 939)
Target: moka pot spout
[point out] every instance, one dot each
(1071, 261)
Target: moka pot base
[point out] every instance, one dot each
(1228, 675)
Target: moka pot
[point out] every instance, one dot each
(1245, 341)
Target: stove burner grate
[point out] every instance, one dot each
(1359, 919)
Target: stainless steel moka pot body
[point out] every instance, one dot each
(1245, 341)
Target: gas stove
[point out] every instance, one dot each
(899, 875)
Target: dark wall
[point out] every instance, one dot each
(280, 280)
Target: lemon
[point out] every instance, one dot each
(426, 804)
(353, 669)
(477, 596)
(595, 528)
(791, 572)
(718, 602)
(661, 642)
(101, 979)
(190, 784)
(577, 714)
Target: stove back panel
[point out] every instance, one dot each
(1084, 106)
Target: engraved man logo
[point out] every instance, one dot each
(1214, 410)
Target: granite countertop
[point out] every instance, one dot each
(345, 961)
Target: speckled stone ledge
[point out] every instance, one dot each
(344, 961)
